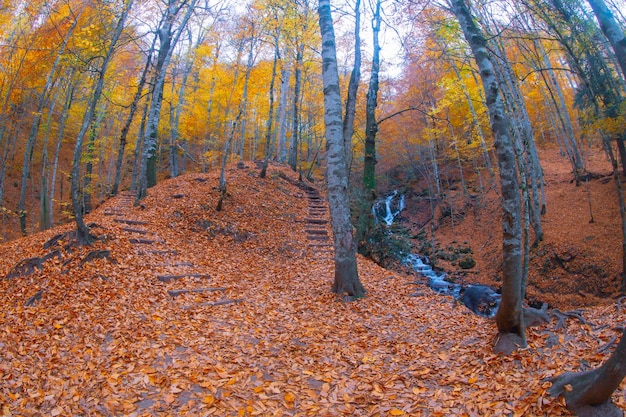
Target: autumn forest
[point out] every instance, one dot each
(134, 132)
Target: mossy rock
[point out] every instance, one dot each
(467, 263)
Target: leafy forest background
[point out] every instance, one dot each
(114, 95)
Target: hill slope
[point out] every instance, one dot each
(262, 334)
(579, 262)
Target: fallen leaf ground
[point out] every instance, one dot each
(262, 335)
(579, 262)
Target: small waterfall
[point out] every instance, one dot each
(481, 299)
(388, 209)
(436, 280)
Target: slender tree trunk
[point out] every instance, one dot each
(270, 117)
(571, 145)
(346, 274)
(281, 150)
(509, 318)
(371, 125)
(365, 219)
(528, 161)
(139, 146)
(612, 31)
(69, 95)
(209, 110)
(353, 87)
(89, 157)
(175, 114)
(222, 184)
(470, 103)
(129, 119)
(44, 215)
(34, 130)
(435, 165)
(83, 236)
(295, 128)
(168, 37)
(244, 98)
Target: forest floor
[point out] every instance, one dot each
(260, 333)
(578, 263)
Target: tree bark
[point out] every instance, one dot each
(69, 96)
(612, 31)
(270, 116)
(509, 318)
(281, 150)
(244, 97)
(353, 87)
(365, 219)
(129, 119)
(346, 274)
(371, 126)
(222, 183)
(589, 393)
(168, 37)
(34, 130)
(295, 128)
(83, 235)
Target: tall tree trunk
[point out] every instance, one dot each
(34, 130)
(44, 215)
(295, 128)
(209, 109)
(470, 104)
(168, 37)
(244, 98)
(353, 87)
(175, 114)
(138, 145)
(270, 116)
(130, 117)
(371, 125)
(89, 157)
(612, 31)
(509, 318)
(365, 219)
(346, 274)
(528, 161)
(69, 95)
(281, 150)
(83, 235)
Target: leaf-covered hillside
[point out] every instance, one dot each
(259, 332)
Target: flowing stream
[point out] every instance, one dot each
(387, 210)
(481, 299)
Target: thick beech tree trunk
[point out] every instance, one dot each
(509, 318)
(346, 274)
(589, 393)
